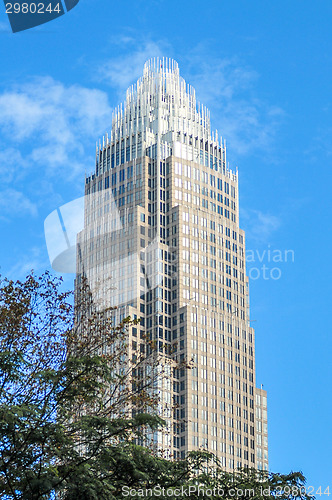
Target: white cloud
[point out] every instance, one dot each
(225, 85)
(31, 259)
(15, 202)
(52, 127)
(259, 226)
(10, 158)
(49, 129)
(320, 145)
(120, 72)
(228, 89)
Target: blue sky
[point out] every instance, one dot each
(264, 70)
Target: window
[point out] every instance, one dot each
(178, 168)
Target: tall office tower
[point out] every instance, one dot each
(162, 242)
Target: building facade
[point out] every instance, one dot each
(162, 242)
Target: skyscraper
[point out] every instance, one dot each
(162, 242)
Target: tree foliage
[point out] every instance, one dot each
(66, 390)
(73, 404)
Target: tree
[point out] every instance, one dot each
(201, 476)
(73, 406)
(67, 391)
(206, 474)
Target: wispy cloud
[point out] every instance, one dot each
(259, 226)
(229, 89)
(14, 202)
(47, 125)
(12, 164)
(320, 144)
(225, 85)
(121, 71)
(31, 259)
